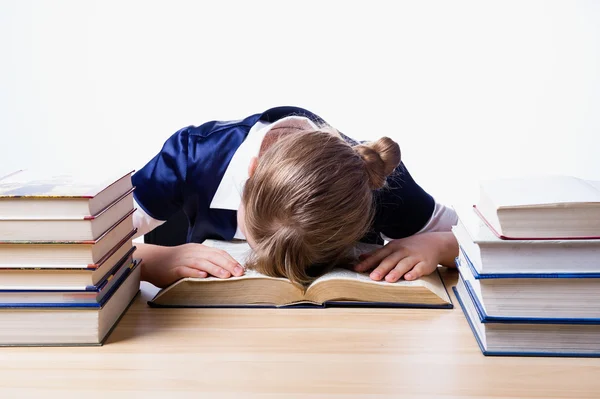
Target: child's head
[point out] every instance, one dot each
(309, 200)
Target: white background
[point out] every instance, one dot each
(470, 90)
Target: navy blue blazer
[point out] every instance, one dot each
(185, 175)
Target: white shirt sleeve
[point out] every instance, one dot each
(442, 219)
(143, 222)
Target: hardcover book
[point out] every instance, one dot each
(340, 287)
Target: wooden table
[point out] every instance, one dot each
(294, 353)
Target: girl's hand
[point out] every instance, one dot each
(163, 266)
(410, 257)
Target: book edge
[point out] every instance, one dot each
(485, 352)
(485, 318)
(493, 276)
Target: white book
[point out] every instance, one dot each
(491, 254)
(543, 207)
(534, 296)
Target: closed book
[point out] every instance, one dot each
(87, 228)
(553, 298)
(541, 207)
(90, 296)
(30, 194)
(68, 277)
(490, 254)
(65, 254)
(525, 338)
(69, 324)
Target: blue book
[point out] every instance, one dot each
(565, 298)
(340, 287)
(91, 296)
(70, 324)
(523, 338)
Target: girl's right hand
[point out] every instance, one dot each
(163, 266)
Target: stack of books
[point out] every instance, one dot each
(529, 266)
(67, 270)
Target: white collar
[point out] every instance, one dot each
(229, 192)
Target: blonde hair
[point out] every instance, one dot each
(310, 200)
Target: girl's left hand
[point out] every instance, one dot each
(410, 257)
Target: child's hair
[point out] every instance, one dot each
(310, 200)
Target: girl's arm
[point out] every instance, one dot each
(161, 189)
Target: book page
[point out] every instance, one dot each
(238, 249)
(545, 190)
(345, 274)
(429, 289)
(349, 285)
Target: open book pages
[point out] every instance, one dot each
(339, 285)
(333, 286)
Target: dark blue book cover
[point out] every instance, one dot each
(97, 304)
(532, 353)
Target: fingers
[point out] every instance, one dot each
(212, 260)
(371, 259)
(184, 271)
(401, 267)
(209, 267)
(418, 271)
(223, 260)
(386, 266)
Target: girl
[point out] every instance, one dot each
(301, 193)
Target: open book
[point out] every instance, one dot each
(339, 287)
